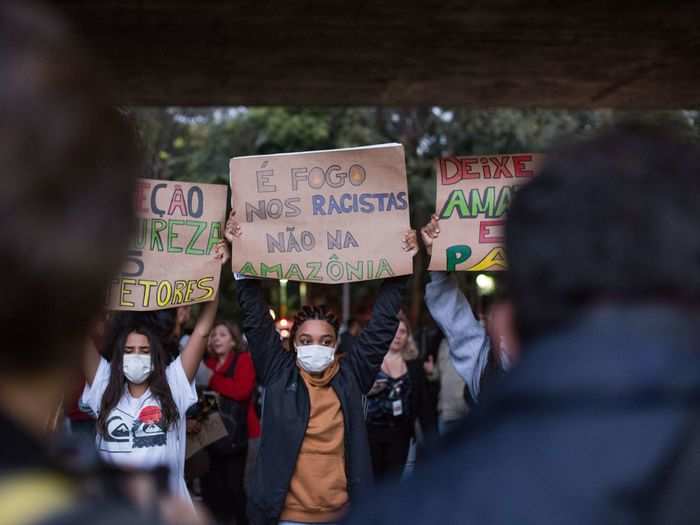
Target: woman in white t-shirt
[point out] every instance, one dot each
(141, 400)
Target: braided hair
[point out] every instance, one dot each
(313, 313)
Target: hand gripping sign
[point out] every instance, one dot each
(170, 261)
(473, 195)
(331, 216)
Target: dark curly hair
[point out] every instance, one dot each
(313, 313)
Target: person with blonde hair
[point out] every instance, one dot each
(393, 403)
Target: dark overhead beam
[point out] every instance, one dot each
(477, 54)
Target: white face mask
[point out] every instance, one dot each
(137, 367)
(314, 358)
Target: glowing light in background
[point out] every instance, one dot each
(486, 284)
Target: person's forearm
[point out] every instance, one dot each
(91, 360)
(380, 330)
(467, 339)
(193, 353)
(373, 343)
(263, 340)
(206, 318)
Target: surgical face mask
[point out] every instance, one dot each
(137, 367)
(315, 358)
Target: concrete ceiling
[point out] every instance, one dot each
(481, 54)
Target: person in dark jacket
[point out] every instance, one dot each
(394, 403)
(313, 458)
(598, 422)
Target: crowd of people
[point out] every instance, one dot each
(155, 382)
(572, 399)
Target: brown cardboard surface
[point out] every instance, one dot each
(212, 429)
(327, 216)
(170, 260)
(473, 195)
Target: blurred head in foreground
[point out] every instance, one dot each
(609, 220)
(69, 162)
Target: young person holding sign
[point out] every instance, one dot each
(141, 400)
(468, 341)
(313, 458)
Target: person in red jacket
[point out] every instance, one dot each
(233, 379)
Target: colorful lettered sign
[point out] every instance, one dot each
(473, 195)
(170, 261)
(323, 216)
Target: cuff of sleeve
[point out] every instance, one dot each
(438, 277)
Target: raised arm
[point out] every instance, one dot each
(193, 353)
(264, 342)
(467, 340)
(372, 344)
(91, 360)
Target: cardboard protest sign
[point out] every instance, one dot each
(212, 430)
(473, 195)
(170, 261)
(324, 216)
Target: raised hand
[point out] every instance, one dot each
(222, 252)
(233, 229)
(430, 232)
(410, 242)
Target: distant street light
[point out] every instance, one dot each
(485, 283)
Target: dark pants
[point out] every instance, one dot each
(388, 447)
(223, 489)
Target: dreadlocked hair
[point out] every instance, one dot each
(313, 313)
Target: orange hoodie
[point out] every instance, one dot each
(318, 490)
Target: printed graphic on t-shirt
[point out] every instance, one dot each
(125, 433)
(148, 430)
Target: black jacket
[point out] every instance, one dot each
(416, 407)
(597, 424)
(286, 400)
